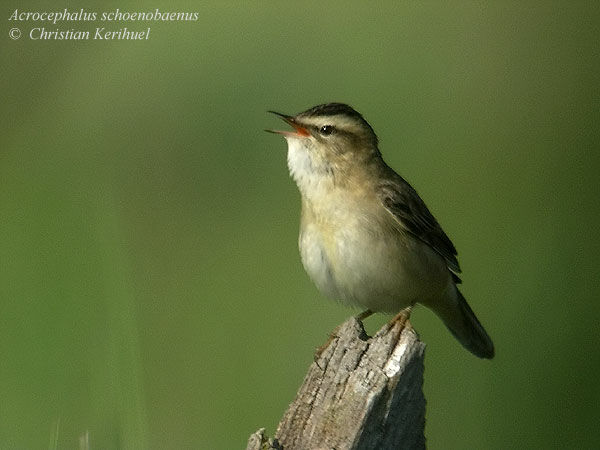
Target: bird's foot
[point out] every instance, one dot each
(321, 349)
(334, 334)
(363, 315)
(401, 318)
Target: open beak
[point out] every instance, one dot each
(299, 130)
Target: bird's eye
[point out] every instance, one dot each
(326, 130)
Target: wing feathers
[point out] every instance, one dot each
(403, 202)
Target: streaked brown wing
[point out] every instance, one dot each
(403, 202)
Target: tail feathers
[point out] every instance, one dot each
(463, 324)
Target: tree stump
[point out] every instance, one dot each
(360, 393)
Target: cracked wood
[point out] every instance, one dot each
(360, 393)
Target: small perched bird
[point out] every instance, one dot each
(366, 237)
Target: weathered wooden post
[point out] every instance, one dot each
(360, 393)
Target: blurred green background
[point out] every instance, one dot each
(151, 292)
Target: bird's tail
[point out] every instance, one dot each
(460, 319)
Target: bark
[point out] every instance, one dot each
(360, 393)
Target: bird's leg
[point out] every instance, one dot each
(363, 315)
(402, 316)
(322, 348)
(360, 317)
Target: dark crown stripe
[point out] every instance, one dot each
(338, 109)
(332, 109)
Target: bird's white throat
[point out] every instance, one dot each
(311, 173)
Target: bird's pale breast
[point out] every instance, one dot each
(353, 253)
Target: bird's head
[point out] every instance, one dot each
(326, 140)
